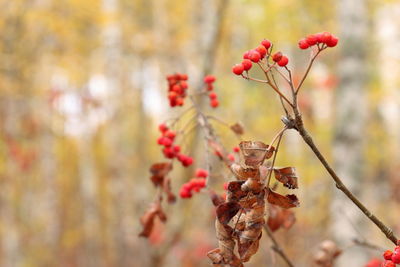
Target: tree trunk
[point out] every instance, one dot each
(347, 220)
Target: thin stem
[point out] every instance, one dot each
(308, 70)
(277, 248)
(339, 184)
(274, 158)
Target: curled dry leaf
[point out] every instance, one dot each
(287, 176)
(159, 171)
(237, 128)
(279, 217)
(215, 198)
(286, 202)
(255, 152)
(147, 220)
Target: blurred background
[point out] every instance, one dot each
(82, 90)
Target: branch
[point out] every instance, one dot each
(277, 248)
(298, 124)
(308, 70)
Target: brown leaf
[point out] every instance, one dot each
(171, 198)
(237, 128)
(279, 217)
(287, 176)
(244, 173)
(216, 199)
(147, 220)
(226, 211)
(288, 201)
(159, 171)
(255, 152)
(235, 192)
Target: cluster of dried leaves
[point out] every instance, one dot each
(241, 218)
(160, 180)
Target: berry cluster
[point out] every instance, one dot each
(177, 89)
(209, 80)
(194, 185)
(324, 38)
(392, 257)
(256, 55)
(170, 150)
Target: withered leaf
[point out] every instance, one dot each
(286, 202)
(279, 217)
(235, 192)
(255, 152)
(171, 198)
(244, 173)
(287, 176)
(216, 199)
(226, 211)
(147, 220)
(237, 128)
(159, 171)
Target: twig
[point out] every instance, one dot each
(367, 244)
(308, 70)
(277, 248)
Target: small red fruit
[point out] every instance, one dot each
(277, 56)
(176, 148)
(168, 153)
(214, 103)
(201, 173)
(254, 56)
(387, 255)
(396, 257)
(247, 64)
(262, 50)
(311, 39)
(236, 149)
(184, 193)
(326, 37)
(332, 42)
(210, 87)
(266, 43)
(170, 134)
(187, 161)
(231, 157)
(303, 44)
(209, 79)
(238, 69)
(162, 127)
(283, 61)
(246, 55)
(212, 95)
(389, 264)
(226, 185)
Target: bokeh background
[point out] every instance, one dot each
(82, 90)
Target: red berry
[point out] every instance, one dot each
(231, 157)
(209, 79)
(170, 134)
(167, 142)
(318, 36)
(176, 148)
(201, 173)
(262, 50)
(303, 44)
(236, 149)
(374, 263)
(396, 257)
(332, 42)
(266, 43)
(187, 161)
(183, 193)
(212, 95)
(311, 39)
(162, 127)
(214, 103)
(254, 56)
(168, 152)
(246, 55)
(277, 56)
(238, 69)
(179, 101)
(283, 61)
(247, 64)
(387, 255)
(184, 77)
(388, 264)
(181, 157)
(226, 185)
(184, 85)
(326, 37)
(210, 87)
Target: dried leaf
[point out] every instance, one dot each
(255, 152)
(159, 171)
(147, 220)
(237, 128)
(216, 199)
(244, 173)
(171, 198)
(226, 211)
(288, 201)
(287, 176)
(279, 217)
(235, 192)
